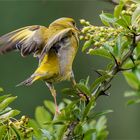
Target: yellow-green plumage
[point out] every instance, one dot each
(50, 68)
(55, 46)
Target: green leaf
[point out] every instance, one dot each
(133, 101)
(101, 124)
(109, 18)
(50, 106)
(3, 131)
(89, 132)
(87, 81)
(127, 19)
(99, 80)
(132, 80)
(55, 122)
(7, 109)
(121, 45)
(83, 89)
(102, 113)
(129, 64)
(61, 132)
(67, 112)
(100, 52)
(117, 10)
(67, 101)
(135, 17)
(88, 108)
(35, 126)
(131, 93)
(6, 102)
(122, 22)
(87, 44)
(136, 1)
(69, 91)
(4, 97)
(137, 50)
(1, 90)
(9, 114)
(47, 134)
(78, 129)
(18, 136)
(137, 73)
(42, 116)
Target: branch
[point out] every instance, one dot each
(117, 68)
(70, 130)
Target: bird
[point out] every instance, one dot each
(55, 47)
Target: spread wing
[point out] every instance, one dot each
(27, 40)
(54, 40)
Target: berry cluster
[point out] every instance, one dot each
(99, 34)
(18, 128)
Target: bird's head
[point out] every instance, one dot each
(64, 22)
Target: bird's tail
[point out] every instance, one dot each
(27, 82)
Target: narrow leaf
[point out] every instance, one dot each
(132, 79)
(100, 52)
(3, 130)
(87, 44)
(131, 93)
(135, 16)
(118, 10)
(88, 108)
(103, 113)
(89, 132)
(61, 132)
(1, 90)
(133, 101)
(137, 1)
(9, 114)
(6, 102)
(107, 17)
(99, 80)
(101, 124)
(83, 88)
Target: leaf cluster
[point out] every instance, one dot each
(77, 120)
(10, 127)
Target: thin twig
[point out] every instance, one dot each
(117, 68)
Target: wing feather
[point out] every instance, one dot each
(53, 40)
(27, 40)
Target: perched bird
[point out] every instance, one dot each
(55, 47)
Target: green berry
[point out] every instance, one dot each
(82, 21)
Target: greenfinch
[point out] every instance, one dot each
(55, 47)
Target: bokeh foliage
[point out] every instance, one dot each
(10, 127)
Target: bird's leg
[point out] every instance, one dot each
(72, 79)
(81, 95)
(53, 92)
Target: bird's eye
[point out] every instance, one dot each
(73, 23)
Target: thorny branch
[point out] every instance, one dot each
(117, 68)
(70, 130)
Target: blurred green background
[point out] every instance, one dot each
(123, 123)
